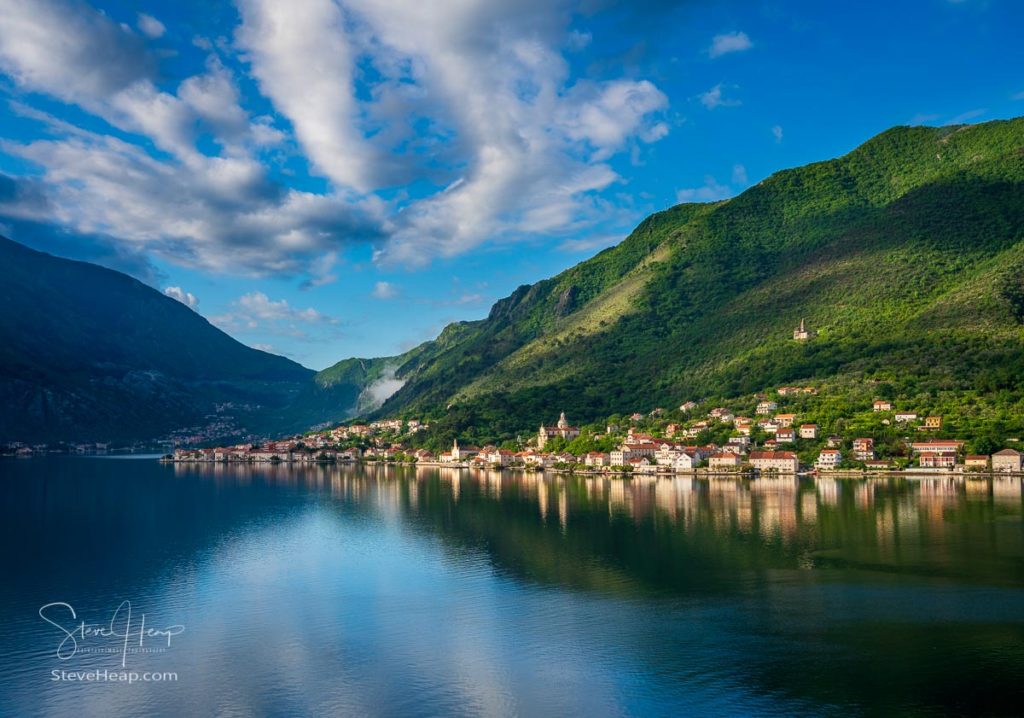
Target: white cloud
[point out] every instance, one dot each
(777, 133)
(150, 26)
(526, 146)
(48, 46)
(606, 117)
(255, 312)
(1017, 95)
(713, 98)
(729, 42)
(186, 298)
(472, 97)
(739, 175)
(384, 290)
(710, 191)
(304, 62)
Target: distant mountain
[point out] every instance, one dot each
(905, 255)
(87, 353)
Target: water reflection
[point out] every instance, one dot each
(792, 516)
(442, 591)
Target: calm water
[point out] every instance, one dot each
(350, 591)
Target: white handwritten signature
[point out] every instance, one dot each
(120, 626)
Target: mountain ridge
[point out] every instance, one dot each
(911, 243)
(91, 354)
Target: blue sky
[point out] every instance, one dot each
(334, 178)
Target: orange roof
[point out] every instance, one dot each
(772, 455)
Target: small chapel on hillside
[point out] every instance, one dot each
(802, 333)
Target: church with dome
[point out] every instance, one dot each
(561, 429)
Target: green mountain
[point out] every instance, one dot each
(906, 256)
(87, 353)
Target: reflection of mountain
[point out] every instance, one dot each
(771, 597)
(687, 536)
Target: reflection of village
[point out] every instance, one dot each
(782, 508)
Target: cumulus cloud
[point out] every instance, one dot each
(714, 98)
(471, 100)
(255, 312)
(71, 53)
(186, 298)
(777, 133)
(729, 42)
(384, 290)
(150, 26)
(739, 175)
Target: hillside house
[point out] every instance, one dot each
(864, 449)
(941, 445)
(782, 462)
(976, 462)
(937, 460)
(808, 431)
(785, 420)
(785, 436)
(686, 461)
(882, 405)
(1006, 461)
(721, 414)
(766, 407)
(905, 417)
(726, 461)
(932, 423)
(829, 459)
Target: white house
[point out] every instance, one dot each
(829, 459)
(724, 462)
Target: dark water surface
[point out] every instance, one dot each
(396, 592)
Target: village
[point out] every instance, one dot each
(764, 443)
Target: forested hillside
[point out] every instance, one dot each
(906, 256)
